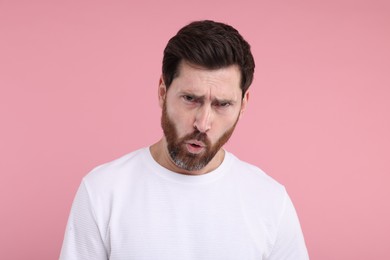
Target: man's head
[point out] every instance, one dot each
(207, 70)
(211, 45)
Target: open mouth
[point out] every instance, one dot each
(195, 147)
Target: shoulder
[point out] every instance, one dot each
(253, 176)
(257, 188)
(115, 171)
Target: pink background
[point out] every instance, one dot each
(78, 87)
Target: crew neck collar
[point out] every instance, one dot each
(189, 179)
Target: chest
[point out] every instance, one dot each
(162, 222)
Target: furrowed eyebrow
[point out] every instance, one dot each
(214, 101)
(196, 97)
(221, 101)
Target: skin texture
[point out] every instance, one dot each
(199, 112)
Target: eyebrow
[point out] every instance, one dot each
(214, 100)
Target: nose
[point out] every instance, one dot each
(203, 119)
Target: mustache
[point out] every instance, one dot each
(198, 136)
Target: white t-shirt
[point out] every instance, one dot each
(135, 209)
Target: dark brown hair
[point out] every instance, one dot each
(211, 45)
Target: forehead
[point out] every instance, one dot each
(222, 83)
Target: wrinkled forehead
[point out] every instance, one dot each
(221, 83)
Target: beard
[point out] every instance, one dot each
(177, 150)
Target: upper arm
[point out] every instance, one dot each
(82, 236)
(289, 243)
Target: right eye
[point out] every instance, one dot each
(188, 98)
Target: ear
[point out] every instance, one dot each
(162, 92)
(244, 102)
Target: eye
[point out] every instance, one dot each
(188, 98)
(223, 104)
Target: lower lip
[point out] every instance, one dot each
(194, 149)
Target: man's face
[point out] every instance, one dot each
(200, 111)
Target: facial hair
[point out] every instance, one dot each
(177, 150)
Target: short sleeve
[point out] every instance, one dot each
(82, 236)
(289, 243)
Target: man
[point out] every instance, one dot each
(185, 197)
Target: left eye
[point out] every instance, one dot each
(224, 104)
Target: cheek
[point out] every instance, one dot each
(182, 121)
(222, 126)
